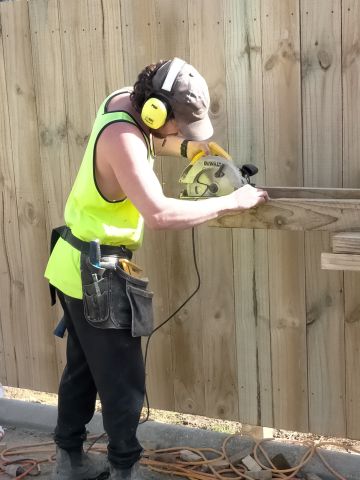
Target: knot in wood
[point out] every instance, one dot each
(61, 131)
(271, 62)
(30, 214)
(325, 59)
(46, 137)
(215, 106)
(81, 140)
(279, 221)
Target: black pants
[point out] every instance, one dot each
(104, 361)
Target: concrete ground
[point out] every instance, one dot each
(26, 423)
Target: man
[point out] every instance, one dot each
(116, 190)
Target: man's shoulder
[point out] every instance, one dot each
(121, 126)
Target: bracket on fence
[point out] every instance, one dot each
(345, 252)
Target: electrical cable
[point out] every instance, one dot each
(169, 318)
(207, 464)
(147, 416)
(218, 464)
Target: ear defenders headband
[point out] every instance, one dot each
(155, 111)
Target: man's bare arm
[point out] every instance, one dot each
(122, 145)
(171, 146)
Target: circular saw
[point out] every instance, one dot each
(213, 175)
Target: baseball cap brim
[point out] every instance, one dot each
(199, 130)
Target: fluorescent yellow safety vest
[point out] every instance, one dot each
(90, 216)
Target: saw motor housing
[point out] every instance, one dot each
(214, 176)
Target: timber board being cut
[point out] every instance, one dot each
(304, 209)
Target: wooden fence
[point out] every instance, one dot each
(270, 339)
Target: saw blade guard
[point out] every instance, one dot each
(211, 176)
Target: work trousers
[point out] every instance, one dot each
(104, 361)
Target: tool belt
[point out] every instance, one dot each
(114, 295)
(115, 299)
(65, 233)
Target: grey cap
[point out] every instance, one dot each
(188, 95)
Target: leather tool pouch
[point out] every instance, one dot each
(116, 300)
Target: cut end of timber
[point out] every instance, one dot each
(340, 261)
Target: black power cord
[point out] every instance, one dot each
(158, 328)
(169, 318)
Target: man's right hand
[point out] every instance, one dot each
(247, 197)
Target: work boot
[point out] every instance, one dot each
(132, 473)
(78, 465)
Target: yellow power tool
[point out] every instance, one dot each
(214, 175)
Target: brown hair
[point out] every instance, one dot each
(143, 87)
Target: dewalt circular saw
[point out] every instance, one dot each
(214, 175)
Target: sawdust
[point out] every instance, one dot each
(194, 421)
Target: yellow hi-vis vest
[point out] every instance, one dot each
(90, 216)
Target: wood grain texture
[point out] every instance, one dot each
(77, 78)
(216, 266)
(184, 330)
(16, 366)
(283, 157)
(322, 105)
(295, 214)
(51, 119)
(29, 190)
(313, 193)
(243, 61)
(340, 261)
(351, 179)
(106, 47)
(346, 242)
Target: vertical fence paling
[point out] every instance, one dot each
(351, 178)
(322, 143)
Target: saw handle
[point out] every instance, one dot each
(215, 150)
(219, 151)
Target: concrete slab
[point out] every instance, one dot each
(28, 422)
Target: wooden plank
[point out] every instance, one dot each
(321, 82)
(283, 154)
(295, 214)
(15, 368)
(346, 242)
(6, 182)
(77, 77)
(206, 37)
(51, 118)
(106, 47)
(351, 179)
(29, 190)
(312, 193)
(172, 34)
(340, 261)
(139, 50)
(139, 45)
(246, 144)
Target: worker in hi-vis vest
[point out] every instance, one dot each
(107, 307)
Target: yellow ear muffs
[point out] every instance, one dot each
(154, 113)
